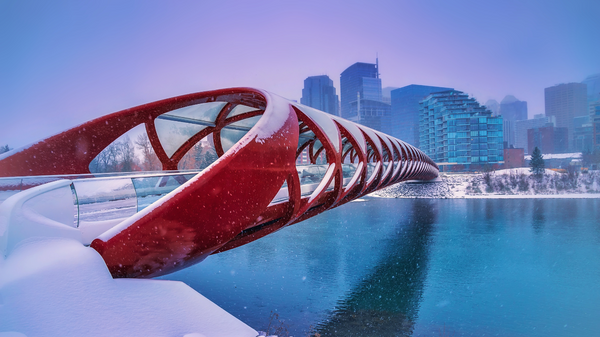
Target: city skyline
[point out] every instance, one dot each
(65, 63)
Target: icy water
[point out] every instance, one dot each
(416, 267)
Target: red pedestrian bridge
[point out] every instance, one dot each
(159, 187)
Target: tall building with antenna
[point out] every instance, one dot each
(361, 95)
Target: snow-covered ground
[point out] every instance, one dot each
(59, 287)
(513, 183)
(575, 155)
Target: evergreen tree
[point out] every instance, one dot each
(4, 148)
(537, 162)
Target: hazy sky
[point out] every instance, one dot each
(65, 62)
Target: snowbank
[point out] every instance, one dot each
(501, 184)
(58, 287)
(523, 170)
(558, 156)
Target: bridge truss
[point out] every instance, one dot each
(276, 163)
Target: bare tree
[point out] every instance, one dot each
(126, 160)
(150, 161)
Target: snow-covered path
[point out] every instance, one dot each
(58, 287)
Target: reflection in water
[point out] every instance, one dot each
(538, 215)
(569, 211)
(489, 209)
(386, 302)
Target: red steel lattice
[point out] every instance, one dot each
(234, 200)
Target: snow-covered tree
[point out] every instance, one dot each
(537, 166)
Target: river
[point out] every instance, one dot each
(418, 267)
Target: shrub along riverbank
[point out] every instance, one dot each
(503, 183)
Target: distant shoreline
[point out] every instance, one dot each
(503, 184)
(501, 196)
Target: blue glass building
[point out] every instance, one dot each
(512, 110)
(404, 119)
(319, 93)
(456, 130)
(595, 118)
(361, 95)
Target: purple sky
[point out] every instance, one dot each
(65, 62)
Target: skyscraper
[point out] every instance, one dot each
(583, 134)
(493, 106)
(455, 129)
(319, 93)
(522, 126)
(512, 110)
(565, 102)
(548, 139)
(387, 94)
(595, 119)
(404, 120)
(593, 88)
(362, 99)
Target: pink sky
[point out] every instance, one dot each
(64, 63)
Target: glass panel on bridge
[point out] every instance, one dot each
(241, 109)
(244, 124)
(310, 177)
(370, 169)
(348, 171)
(229, 137)
(205, 112)
(105, 199)
(307, 135)
(172, 134)
(315, 148)
(149, 189)
(303, 140)
(347, 146)
(130, 152)
(200, 156)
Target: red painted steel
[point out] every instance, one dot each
(231, 202)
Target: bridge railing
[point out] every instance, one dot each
(109, 197)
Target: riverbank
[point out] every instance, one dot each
(513, 183)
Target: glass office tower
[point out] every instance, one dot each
(362, 99)
(404, 120)
(565, 102)
(455, 130)
(595, 118)
(521, 128)
(512, 110)
(319, 93)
